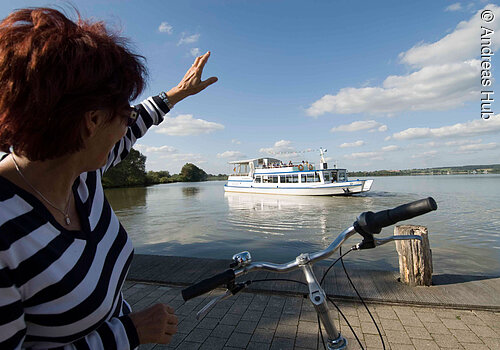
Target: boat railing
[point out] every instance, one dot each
(295, 167)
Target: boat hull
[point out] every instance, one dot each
(335, 189)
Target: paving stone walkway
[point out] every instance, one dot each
(264, 321)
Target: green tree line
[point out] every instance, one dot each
(465, 169)
(131, 171)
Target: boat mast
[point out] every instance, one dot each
(322, 152)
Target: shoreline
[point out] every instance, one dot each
(447, 291)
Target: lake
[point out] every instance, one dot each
(200, 220)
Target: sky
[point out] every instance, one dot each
(378, 84)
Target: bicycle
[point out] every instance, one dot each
(367, 224)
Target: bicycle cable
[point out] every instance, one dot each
(360, 298)
(279, 279)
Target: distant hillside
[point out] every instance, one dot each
(452, 170)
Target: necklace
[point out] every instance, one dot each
(66, 210)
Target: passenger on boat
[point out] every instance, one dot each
(66, 119)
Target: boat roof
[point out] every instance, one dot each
(252, 160)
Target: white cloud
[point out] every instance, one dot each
(447, 71)
(154, 149)
(184, 157)
(462, 142)
(360, 125)
(477, 147)
(188, 39)
(352, 144)
(471, 128)
(195, 51)
(166, 28)
(427, 154)
(230, 155)
(390, 148)
(167, 157)
(428, 144)
(360, 155)
(185, 124)
(454, 7)
(373, 155)
(236, 142)
(425, 89)
(460, 45)
(282, 146)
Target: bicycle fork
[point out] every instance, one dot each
(318, 298)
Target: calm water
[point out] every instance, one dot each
(199, 219)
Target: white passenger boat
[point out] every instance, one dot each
(271, 176)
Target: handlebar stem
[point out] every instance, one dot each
(318, 298)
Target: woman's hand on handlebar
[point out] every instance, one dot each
(156, 324)
(191, 84)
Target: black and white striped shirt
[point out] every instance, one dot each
(61, 288)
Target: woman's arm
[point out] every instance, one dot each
(152, 110)
(124, 332)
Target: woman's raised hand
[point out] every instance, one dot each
(191, 84)
(156, 324)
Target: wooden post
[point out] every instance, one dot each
(415, 257)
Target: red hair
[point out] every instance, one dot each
(53, 71)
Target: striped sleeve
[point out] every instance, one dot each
(12, 324)
(117, 333)
(151, 112)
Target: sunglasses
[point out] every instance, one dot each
(132, 116)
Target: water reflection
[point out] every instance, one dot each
(126, 198)
(276, 215)
(190, 191)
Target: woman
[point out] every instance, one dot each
(65, 118)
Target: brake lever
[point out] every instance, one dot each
(212, 303)
(232, 289)
(382, 241)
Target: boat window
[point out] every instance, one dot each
(334, 176)
(303, 178)
(258, 179)
(342, 176)
(311, 177)
(289, 179)
(265, 179)
(326, 176)
(274, 179)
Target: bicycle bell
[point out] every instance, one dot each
(241, 259)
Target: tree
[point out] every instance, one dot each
(192, 173)
(157, 177)
(131, 171)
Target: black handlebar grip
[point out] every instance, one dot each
(208, 284)
(369, 222)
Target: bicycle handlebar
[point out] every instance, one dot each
(372, 223)
(208, 284)
(367, 223)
